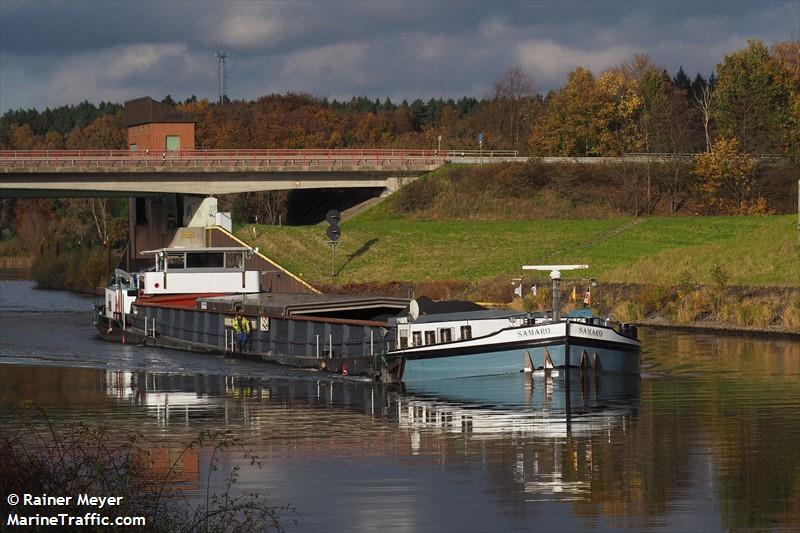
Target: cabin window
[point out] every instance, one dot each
(430, 337)
(403, 342)
(466, 332)
(417, 338)
(445, 335)
(176, 261)
(205, 260)
(233, 260)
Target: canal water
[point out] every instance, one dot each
(707, 439)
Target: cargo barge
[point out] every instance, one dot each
(165, 307)
(383, 338)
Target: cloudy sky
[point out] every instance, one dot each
(63, 52)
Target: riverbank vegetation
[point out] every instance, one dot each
(73, 243)
(70, 459)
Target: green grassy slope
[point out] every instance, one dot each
(377, 248)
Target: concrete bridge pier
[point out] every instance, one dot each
(395, 183)
(154, 222)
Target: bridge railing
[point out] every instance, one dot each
(238, 157)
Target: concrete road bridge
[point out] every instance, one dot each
(212, 172)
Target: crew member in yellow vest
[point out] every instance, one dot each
(241, 326)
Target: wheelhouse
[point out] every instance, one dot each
(195, 270)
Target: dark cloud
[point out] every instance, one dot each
(53, 53)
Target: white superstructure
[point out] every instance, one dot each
(183, 271)
(199, 270)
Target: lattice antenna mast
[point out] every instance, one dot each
(221, 74)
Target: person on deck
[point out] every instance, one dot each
(241, 326)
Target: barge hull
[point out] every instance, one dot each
(515, 360)
(340, 346)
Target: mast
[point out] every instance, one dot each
(555, 275)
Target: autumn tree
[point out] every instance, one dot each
(620, 105)
(787, 55)
(513, 92)
(726, 180)
(35, 222)
(752, 101)
(704, 103)
(22, 137)
(569, 127)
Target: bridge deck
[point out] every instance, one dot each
(57, 172)
(33, 161)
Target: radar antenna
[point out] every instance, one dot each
(555, 275)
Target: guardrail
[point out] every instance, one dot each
(223, 158)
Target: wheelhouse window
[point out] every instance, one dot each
(176, 261)
(466, 332)
(430, 337)
(445, 335)
(403, 342)
(205, 260)
(233, 260)
(416, 337)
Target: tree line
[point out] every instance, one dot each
(752, 98)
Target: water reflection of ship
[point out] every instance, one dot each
(543, 404)
(551, 427)
(548, 433)
(179, 396)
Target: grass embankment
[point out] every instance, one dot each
(740, 272)
(758, 251)
(472, 223)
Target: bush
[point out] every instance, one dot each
(417, 196)
(627, 312)
(49, 271)
(77, 269)
(694, 306)
(791, 317)
(39, 458)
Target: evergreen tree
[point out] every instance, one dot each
(681, 80)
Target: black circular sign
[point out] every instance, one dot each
(334, 232)
(333, 217)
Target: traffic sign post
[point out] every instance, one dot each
(334, 232)
(333, 257)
